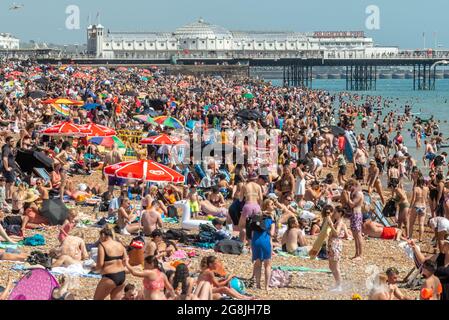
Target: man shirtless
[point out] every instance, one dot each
(356, 200)
(294, 240)
(392, 280)
(360, 159)
(253, 197)
(151, 219)
(374, 180)
(429, 152)
(376, 230)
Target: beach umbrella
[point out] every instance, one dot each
(99, 130)
(130, 93)
(91, 106)
(169, 122)
(157, 104)
(162, 139)
(190, 124)
(248, 95)
(29, 159)
(336, 131)
(68, 102)
(108, 142)
(145, 118)
(55, 211)
(66, 129)
(38, 94)
(146, 170)
(249, 115)
(61, 109)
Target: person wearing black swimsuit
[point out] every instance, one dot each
(110, 262)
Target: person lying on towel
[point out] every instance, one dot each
(376, 230)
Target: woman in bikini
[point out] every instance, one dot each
(18, 198)
(154, 280)
(400, 196)
(111, 263)
(418, 204)
(208, 266)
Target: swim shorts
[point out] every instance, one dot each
(388, 233)
(356, 222)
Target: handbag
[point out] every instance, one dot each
(390, 209)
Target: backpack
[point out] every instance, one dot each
(173, 234)
(136, 251)
(207, 233)
(280, 279)
(255, 223)
(229, 246)
(390, 209)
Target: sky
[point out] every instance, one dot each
(401, 22)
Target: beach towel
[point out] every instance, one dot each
(170, 220)
(300, 269)
(8, 245)
(75, 271)
(37, 284)
(34, 241)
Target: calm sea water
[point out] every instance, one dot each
(400, 92)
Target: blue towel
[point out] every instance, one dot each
(34, 241)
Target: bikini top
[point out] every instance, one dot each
(110, 258)
(152, 285)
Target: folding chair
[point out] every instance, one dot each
(379, 216)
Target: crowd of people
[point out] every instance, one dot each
(316, 187)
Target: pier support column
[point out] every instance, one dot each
(297, 75)
(424, 77)
(361, 77)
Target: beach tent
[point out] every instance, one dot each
(37, 284)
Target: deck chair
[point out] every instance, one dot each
(379, 216)
(413, 280)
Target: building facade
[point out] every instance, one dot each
(201, 39)
(7, 41)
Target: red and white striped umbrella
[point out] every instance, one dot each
(99, 130)
(162, 139)
(146, 170)
(67, 129)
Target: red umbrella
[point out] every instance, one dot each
(146, 170)
(66, 129)
(99, 130)
(162, 139)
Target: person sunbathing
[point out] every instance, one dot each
(151, 218)
(154, 280)
(294, 240)
(71, 251)
(219, 288)
(376, 230)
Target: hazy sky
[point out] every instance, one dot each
(402, 22)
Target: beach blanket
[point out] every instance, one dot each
(205, 245)
(170, 220)
(75, 270)
(300, 269)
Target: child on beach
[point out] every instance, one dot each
(334, 245)
(194, 202)
(68, 225)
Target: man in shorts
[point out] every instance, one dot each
(376, 230)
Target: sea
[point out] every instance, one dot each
(400, 92)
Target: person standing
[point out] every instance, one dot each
(261, 244)
(355, 201)
(334, 244)
(9, 166)
(112, 158)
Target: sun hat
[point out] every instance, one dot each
(31, 197)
